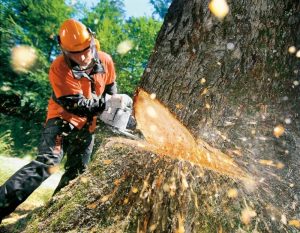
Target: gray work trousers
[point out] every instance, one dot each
(58, 138)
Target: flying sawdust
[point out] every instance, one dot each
(167, 136)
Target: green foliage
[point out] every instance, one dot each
(33, 23)
(38, 21)
(18, 137)
(106, 20)
(6, 142)
(142, 32)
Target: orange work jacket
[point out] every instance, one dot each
(63, 83)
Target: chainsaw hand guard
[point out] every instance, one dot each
(118, 110)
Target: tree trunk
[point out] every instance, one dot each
(231, 83)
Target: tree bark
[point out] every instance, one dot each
(232, 82)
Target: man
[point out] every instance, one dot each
(80, 78)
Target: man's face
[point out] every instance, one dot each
(83, 58)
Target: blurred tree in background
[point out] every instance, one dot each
(141, 32)
(160, 7)
(24, 92)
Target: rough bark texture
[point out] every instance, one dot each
(243, 59)
(230, 83)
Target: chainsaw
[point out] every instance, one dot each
(118, 115)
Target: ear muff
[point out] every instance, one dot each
(96, 41)
(97, 44)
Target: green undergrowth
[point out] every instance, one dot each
(18, 137)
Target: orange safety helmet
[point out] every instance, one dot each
(74, 36)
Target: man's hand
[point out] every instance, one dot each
(102, 103)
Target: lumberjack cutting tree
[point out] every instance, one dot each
(80, 78)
